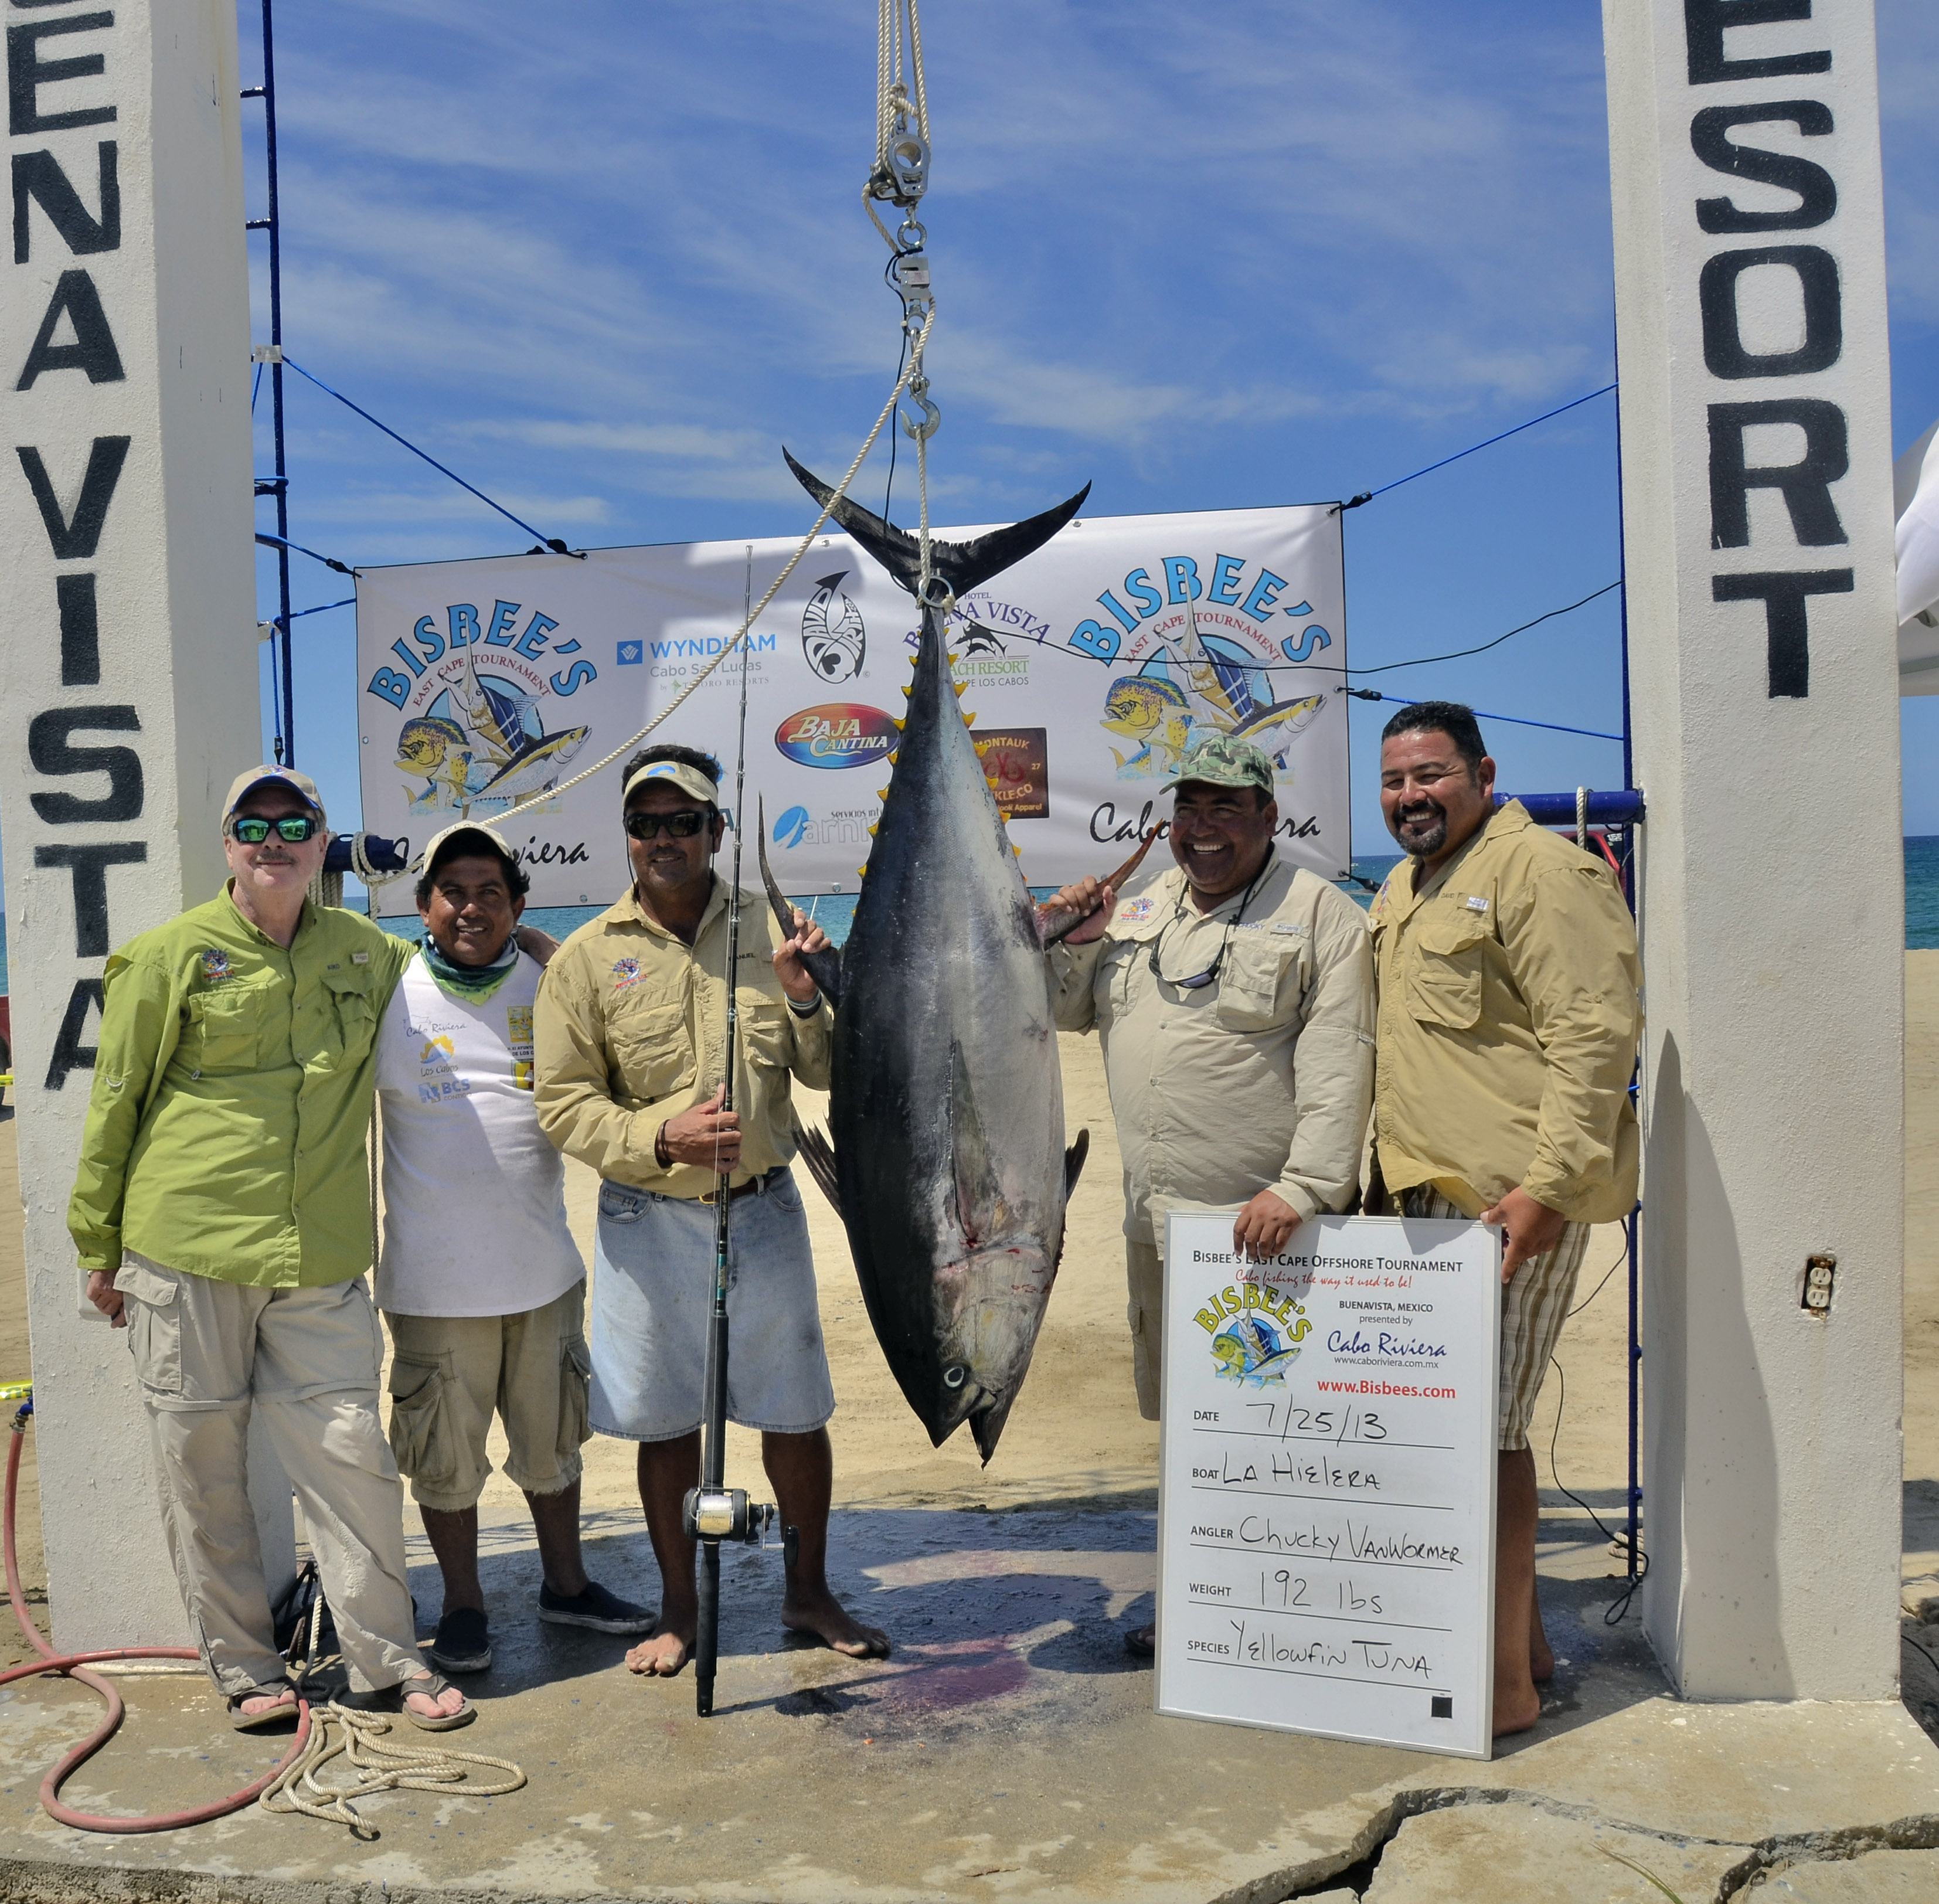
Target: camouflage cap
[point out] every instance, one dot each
(1225, 760)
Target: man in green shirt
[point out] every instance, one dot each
(222, 1212)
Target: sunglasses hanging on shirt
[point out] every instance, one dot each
(1199, 980)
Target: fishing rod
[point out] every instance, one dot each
(715, 1511)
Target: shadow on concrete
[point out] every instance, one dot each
(1015, 1618)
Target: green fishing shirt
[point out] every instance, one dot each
(232, 1094)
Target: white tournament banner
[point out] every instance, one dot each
(1326, 1498)
(1091, 666)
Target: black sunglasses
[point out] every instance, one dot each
(252, 830)
(682, 825)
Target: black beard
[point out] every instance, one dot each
(1424, 846)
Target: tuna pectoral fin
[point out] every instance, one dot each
(1053, 922)
(980, 1210)
(824, 967)
(1073, 1162)
(819, 1156)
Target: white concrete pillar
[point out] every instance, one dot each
(1757, 512)
(131, 696)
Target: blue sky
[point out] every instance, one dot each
(606, 259)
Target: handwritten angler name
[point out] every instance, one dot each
(1362, 1543)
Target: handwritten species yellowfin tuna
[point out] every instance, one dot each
(947, 1163)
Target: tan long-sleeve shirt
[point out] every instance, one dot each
(631, 1029)
(1259, 1080)
(1508, 1018)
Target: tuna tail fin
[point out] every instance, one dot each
(819, 1156)
(824, 967)
(961, 564)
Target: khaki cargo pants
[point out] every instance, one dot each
(450, 1374)
(207, 1355)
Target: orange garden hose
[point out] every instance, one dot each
(73, 1665)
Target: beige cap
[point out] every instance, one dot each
(299, 784)
(675, 773)
(490, 835)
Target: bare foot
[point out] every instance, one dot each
(824, 1617)
(427, 1705)
(1517, 1713)
(257, 1704)
(662, 1654)
(1540, 1655)
(1141, 1642)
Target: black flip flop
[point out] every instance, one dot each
(1141, 1643)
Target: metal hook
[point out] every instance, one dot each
(937, 594)
(932, 417)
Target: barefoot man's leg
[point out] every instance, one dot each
(802, 1470)
(1517, 1704)
(667, 1469)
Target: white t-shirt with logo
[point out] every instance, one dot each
(474, 1194)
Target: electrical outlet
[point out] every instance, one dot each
(1819, 1271)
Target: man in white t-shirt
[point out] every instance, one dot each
(480, 1279)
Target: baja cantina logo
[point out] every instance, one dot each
(837, 734)
(832, 635)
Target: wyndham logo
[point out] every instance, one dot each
(631, 654)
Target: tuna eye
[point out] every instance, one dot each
(955, 1375)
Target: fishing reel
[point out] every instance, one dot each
(725, 1514)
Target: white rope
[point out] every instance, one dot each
(357, 1738)
(760, 607)
(374, 876)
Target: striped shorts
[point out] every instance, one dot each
(1533, 1308)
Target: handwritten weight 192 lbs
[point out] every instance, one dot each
(1326, 1516)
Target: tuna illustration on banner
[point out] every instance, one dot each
(1192, 684)
(474, 739)
(832, 635)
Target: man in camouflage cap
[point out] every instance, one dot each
(1234, 996)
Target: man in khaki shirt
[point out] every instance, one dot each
(630, 1049)
(1508, 980)
(1234, 998)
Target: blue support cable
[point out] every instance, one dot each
(283, 543)
(1573, 403)
(1481, 713)
(551, 542)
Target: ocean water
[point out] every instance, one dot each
(835, 913)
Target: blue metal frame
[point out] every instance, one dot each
(277, 485)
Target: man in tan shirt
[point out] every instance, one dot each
(1234, 998)
(1508, 980)
(630, 1049)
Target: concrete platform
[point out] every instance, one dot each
(1008, 1750)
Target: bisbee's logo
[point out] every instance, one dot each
(837, 734)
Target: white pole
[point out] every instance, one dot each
(131, 693)
(1757, 509)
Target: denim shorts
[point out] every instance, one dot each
(652, 1289)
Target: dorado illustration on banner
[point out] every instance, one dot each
(1090, 670)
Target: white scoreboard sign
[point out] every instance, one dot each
(1326, 1516)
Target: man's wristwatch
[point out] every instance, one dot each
(800, 1010)
(662, 1156)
